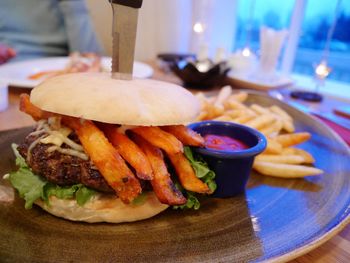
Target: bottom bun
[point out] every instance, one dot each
(104, 208)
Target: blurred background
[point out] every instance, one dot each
(168, 26)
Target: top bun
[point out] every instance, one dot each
(98, 97)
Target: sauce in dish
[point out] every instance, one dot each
(223, 143)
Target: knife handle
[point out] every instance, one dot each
(129, 3)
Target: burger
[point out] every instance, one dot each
(108, 150)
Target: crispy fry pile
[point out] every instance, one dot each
(113, 152)
(281, 158)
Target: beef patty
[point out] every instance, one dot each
(62, 169)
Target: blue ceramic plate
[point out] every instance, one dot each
(275, 219)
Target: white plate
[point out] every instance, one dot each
(16, 73)
(249, 82)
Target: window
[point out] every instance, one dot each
(313, 47)
(309, 21)
(253, 14)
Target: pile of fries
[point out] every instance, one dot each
(281, 158)
(125, 159)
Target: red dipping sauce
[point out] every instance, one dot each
(223, 143)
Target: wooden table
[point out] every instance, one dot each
(337, 249)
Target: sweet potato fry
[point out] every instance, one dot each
(162, 184)
(48, 73)
(106, 158)
(285, 170)
(159, 138)
(185, 135)
(287, 140)
(36, 113)
(186, 174)
(129, 151)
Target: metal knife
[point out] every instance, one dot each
(125, 14)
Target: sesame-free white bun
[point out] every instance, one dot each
(98, 97)
(104, 208)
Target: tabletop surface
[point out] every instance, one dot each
(337, 249)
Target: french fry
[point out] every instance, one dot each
(185, 135)
(201, 97)
(275, 158)
(186, 174)
(213, 110)
(273, 147)
(269, 120)
(48, 73)
(272, 129)
(129, 151)
(280, 112)
(36, 113)
(217, 110)
(162, 185)
(159, 138)
(235, 105)
(261, 121)
(235, 114)
(244, 118)
(259, 110)
(285, 170)
(288, 125)
(224, 93)
(223, 118)
(287, 140)
(107, 159)
(285, 117)
(239, 96)
(202, 115)
(308, 158)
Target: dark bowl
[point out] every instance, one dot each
(232, 168)
(193, 78)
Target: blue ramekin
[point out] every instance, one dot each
(232, 168)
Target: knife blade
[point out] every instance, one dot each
(125, 15)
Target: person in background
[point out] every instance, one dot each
(43, 28)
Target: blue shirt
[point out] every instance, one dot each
(43, 28)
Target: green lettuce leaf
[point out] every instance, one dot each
(84, 194)
(201, 168)
(20, 162)
(140, 199)
(203, 172)
(192, 201)
(32, 187)
(29, 186)
(61, 192)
